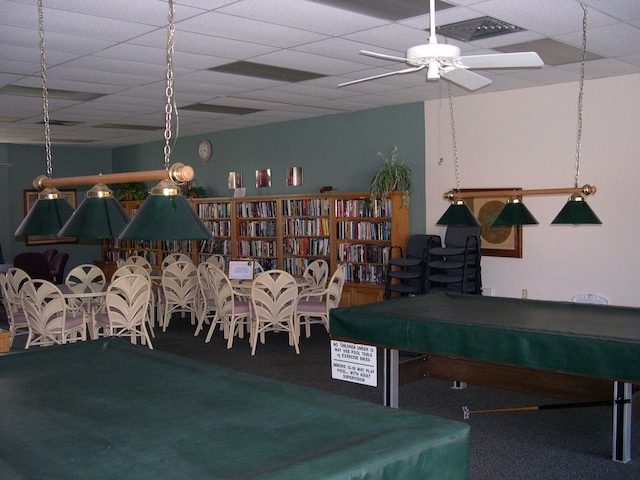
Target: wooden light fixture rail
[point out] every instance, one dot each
(178, 173)
(454, 195)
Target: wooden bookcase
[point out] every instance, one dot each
(288, 232)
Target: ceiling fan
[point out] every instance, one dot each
(444, 61)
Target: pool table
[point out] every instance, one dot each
(590, 340)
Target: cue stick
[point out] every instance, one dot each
(553, 406)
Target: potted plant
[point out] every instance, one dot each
(131, 191)
(394, 175)
(195, 191)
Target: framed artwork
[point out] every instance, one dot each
(263, 178)
(30, 197)
(495, 241)
(235, 180)
(294, 176)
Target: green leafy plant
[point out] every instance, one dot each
(394, 175)
(132, 191)
(195, 191)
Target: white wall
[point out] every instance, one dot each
(527, 138)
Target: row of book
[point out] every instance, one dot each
(309, 207)
(364, 230)
(221, 247)
(256, 248)
(214, 210)
(363, 208)
(306, 226)
(359, 253)
(307, 246)
(367, 274)
(219, 229)
(256, 209)
(296, 266)
(266, 228)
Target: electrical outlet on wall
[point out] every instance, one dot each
(525, 293)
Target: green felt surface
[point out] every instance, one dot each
(108, 410)
(596, 340)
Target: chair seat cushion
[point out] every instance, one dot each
(311, 306)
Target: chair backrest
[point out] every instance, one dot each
(49, 253)
(316, 274)
(335, 287)
(590, 298)
(419, 245)
(207, 288)
(57, 265)
(127, 300)
(273, 296)
(456, 236)
(84, 274)
(129, 269)
(136, 260)
(35, 264)
(45, 310)
(16, 278)
(180, 282)
(217, 261)
(175, 257)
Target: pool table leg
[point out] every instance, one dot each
(391, 377)
(621, 422)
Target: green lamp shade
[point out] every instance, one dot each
(46, 217)
(576, 212)
(96, 217)
(165, 217)
(458, 214)
(514, 213)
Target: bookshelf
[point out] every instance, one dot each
(288, 232)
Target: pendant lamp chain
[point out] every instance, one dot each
(453, 139)
(581, 93)
(169, 90)
(45, 92)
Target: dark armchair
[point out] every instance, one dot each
(35, 264)
(57, 266)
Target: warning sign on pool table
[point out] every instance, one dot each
(355, 363)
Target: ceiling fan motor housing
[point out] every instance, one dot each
(424, 54)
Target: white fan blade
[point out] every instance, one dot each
(466, 79)
(397, 72)
(503, 60)
(382, 56)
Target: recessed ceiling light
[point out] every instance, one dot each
(389, 10)
(551, 51)
(57, 94)
(124, 126)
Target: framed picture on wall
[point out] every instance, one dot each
(495, 241)
(30, 197)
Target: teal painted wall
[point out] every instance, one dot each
(338, 150)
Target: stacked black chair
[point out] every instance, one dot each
(455, 267)
(406, 274)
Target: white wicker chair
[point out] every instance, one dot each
(50, 320)
(180, 291)
(314, 305)
(13, 307)
(273, 297)
(233, 308)
(126, 309)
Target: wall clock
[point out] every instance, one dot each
(204, 150)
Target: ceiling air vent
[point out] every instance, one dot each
(477, 29)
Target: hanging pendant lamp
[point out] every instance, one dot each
(514, 213)
(166, 214)
(100, 215)
(51, 210)
(576, 212)
(458, 214)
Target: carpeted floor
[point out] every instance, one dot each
(548, 444)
